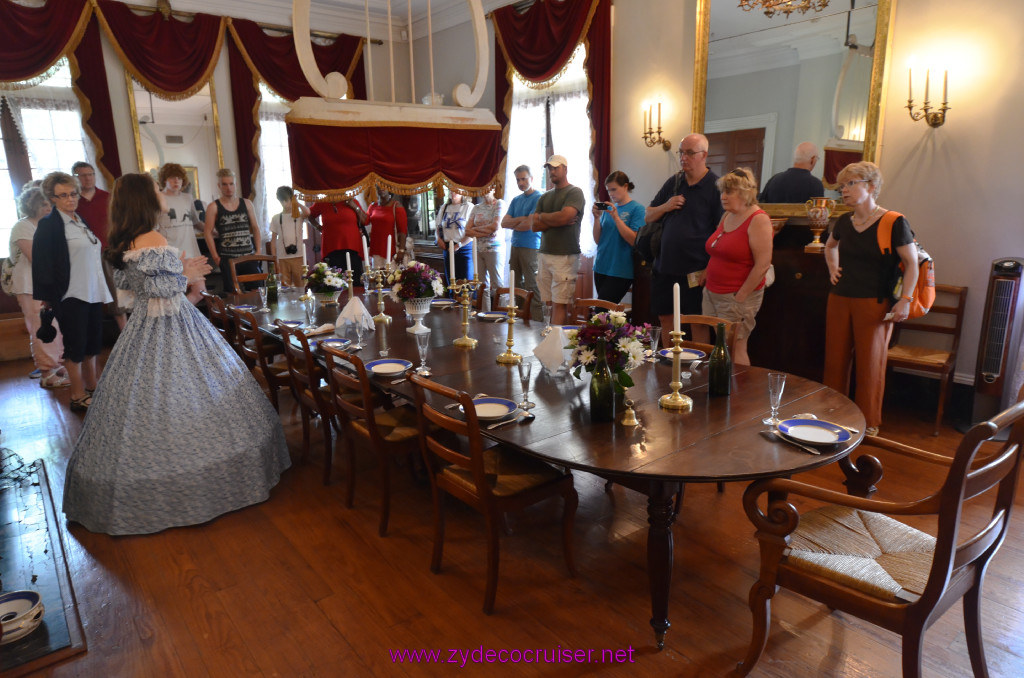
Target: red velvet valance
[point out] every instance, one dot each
(563, 25)
(336, 161)
(274, 60)
(540, 41)
(32, 39)
(170, 57)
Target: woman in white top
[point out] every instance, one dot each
(450, 224)
(33, 204)
(286, 237)
(483, 225)
(179, 223)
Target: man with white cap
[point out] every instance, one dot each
(557, 218)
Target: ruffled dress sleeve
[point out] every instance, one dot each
(162, 281)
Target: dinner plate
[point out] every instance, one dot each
(244, 307)
(294, 324)
(492, 315)
(687, 354)
(388, 366)
(442, 302)
(489, 409)
(570, 327)
(814, 431)
(333, 341)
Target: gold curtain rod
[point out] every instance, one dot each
(261, 24)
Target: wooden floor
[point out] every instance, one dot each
(301, 586)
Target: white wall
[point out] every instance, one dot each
(959, 185)
(454, 63)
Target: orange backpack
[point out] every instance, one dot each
(924, 292)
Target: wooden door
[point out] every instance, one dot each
(738, 148)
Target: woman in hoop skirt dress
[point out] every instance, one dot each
(179, 432)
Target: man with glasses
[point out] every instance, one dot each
(690, 208)
(94, 208)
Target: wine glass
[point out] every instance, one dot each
(359, 335)
(525, 369)
(546, 309)
(422, 342)
(263, 299)
(776, 384)
(655, 333)
(309, 306)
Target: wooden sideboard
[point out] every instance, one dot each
(790, 332)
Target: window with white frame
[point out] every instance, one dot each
(50, 123)
(563, 101)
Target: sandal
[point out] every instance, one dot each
(55, 379)
(81, 404)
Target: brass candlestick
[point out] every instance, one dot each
(377, 275)
(348, 279)
(675, 400)
(465, 288)
(510, 357)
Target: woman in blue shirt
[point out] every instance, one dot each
(619, 222)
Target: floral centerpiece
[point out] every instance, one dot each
(415, 281)
(324, 281)
(623, 345)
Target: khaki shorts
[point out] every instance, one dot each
(556, 277)
(726, 307)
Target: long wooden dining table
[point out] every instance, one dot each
(719, 440)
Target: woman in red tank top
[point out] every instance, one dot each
(741, 252)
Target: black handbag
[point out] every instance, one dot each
(648, 239)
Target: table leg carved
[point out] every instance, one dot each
(660, 554)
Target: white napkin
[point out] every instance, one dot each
(355, 313)
(323, 329)
(550, 352)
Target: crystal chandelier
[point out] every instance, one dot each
(787, 7)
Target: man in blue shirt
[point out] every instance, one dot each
(522, 257)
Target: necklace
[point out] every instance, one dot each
(866, 220)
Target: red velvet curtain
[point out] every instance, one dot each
(32, 39)
(89, 79)
(539, 43)
(170, 57)
(254, 55)
(329, 161)
(835, 160)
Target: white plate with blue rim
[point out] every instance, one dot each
(443, 302)
(21, 612)
(245, 307)
(492, 315)
(814, 431)
(568, 328)
(336, 342)
(489, 408)
(687, 354)
(387, 367)
(293, 324)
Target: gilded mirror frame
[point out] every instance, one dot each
(137, 135)
(876, 96)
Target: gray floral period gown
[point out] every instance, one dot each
(178, 432)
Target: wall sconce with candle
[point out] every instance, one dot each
(651, 136)
(936, 118)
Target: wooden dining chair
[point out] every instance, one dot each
(524, 301)
(311, 391)
(493, 481)
(260, 277)
(912, 348)
(366, 414)
(711, 322)
(273, 376)
(478, 301)
(241, 339)
(218, 315)
(851, 556)
(583, 309)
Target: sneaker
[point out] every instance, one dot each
(35, 374)
(871, 431)
(55, 379)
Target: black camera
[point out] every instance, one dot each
(291, 249)
(602, 206)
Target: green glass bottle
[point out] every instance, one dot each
(720, 366)
(271, 285)
(602, 388)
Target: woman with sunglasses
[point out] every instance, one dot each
(741, 253)
(67, 276)
(859, 315)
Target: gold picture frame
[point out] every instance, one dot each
(193, 181)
